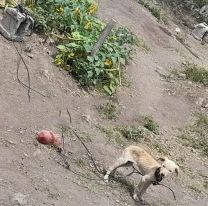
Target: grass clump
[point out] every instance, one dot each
(109, 110)
(151, 125)
(196, 135)
(132, 133)
(201, 3)
(121, 135)
(196, 73)
(76, 28)
(155, 10)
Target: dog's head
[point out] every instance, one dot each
(168, 166)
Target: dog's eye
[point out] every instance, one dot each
(164, 166)
(170, 171)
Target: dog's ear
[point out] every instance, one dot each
(177, 170)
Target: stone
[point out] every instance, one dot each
(177, 30)
(204, 11)
(205, 103)
(182, 75)
(200, 101)
(200, 31)
(19, 199)
(28, 49)
(30, 55)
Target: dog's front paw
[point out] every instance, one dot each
(106, 177)
(137, 198)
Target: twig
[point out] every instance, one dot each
(169, 189)
(18, 79)
(66, 38)
(28, 73)
(89, 154)
(67, 166)
(88, 151)
(62, 136)
(119, 71)
(70, 119)
(204, 176)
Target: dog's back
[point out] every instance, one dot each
(141, 158)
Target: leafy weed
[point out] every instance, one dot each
(109, 110)
(151, 125)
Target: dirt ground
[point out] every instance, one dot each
(32, 174)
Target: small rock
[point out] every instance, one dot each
(36, 153)
(45, 73)
(182, 75)
(205, 103)
(51, 42)
(30, 55)
(117, 201)
(41, 41)
(177, 30)
(28, 49)
(87, 118)
(200, 101)
(26, 155)
(19, 200)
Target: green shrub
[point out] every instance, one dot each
(155, 10)
(196, 135)
(151, 125)
(76, 27)
(132, 132)
(196, 73)
(201, 3)
(109, 110)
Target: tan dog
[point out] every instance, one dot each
(151, 170)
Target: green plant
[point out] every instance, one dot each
(151, 125)
(196, 135)
(155, 10)
(196, 73)
(113, 135)
(201, 3)
(121, 135)
(76, 28)
(159, 148)
(132, 132)
(109, 110)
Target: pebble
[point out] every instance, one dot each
(30, 55)
(200, 101)
(19, 199)
(182, 75)
(36, 153)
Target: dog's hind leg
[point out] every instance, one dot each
(121, 162)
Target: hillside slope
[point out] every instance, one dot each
(32, 174)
